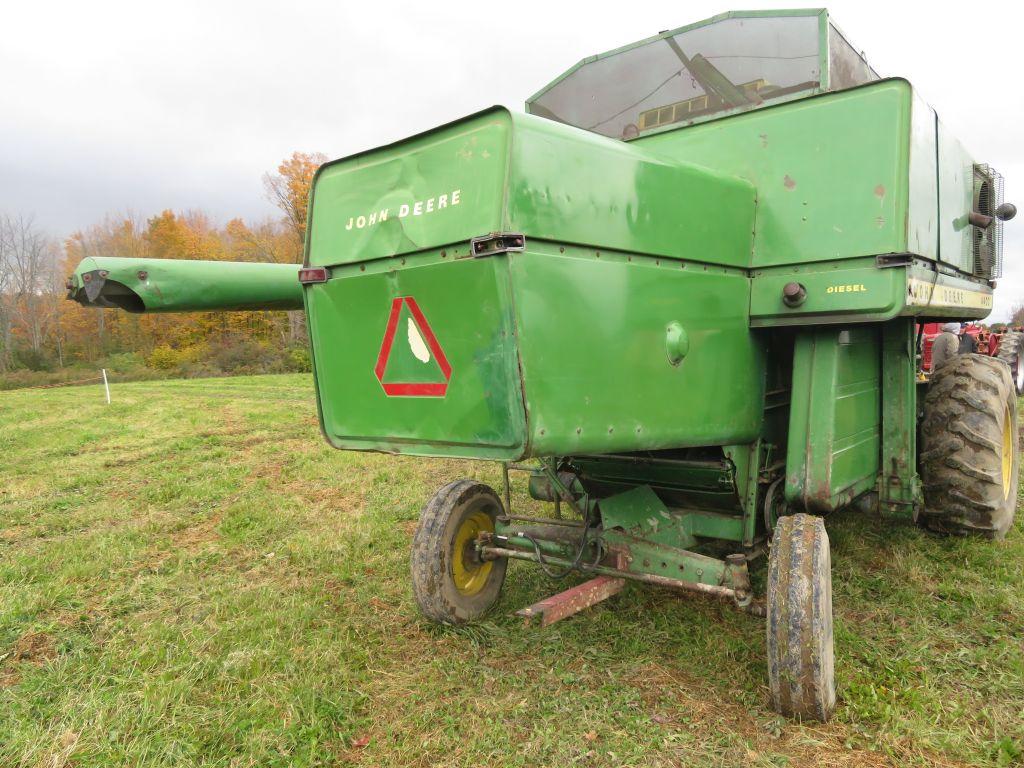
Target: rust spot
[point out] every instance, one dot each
(572, 600)
(880, 191)
(788, 182)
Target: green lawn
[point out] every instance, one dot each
(190, 576)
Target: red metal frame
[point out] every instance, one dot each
(988, 341)
(572, 601)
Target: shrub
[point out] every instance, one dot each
(33, 360)
(298, 360)
(244, 356)
(163, 358)
(123, 362)
(24, 377)
(167, 358)
(198, 370)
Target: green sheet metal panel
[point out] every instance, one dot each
(592, 341)
(499, 171)
(858, 290)
(835, 417)
(923, 192)
(831, 171)
(554, 351)
(424, 192)
(956, 199)
(899, 487)
(474, 410)
(854, 290)
(573, 186)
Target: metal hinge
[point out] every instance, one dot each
(497, 242)
(894, 260)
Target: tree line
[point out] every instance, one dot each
(43, 337)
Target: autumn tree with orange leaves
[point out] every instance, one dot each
(289, 188)
(62, 332)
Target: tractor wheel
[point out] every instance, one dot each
(969, 458)
(1011, 352)
(451, 584)
(801, 673)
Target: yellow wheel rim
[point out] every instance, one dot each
(1007, 453)
(470, 575)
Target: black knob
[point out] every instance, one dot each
(1006, 211)
(794, 294)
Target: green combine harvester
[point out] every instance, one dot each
(682, 293)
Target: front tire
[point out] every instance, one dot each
(801, 656)
(970, 464)
(451, 584)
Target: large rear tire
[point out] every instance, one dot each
(1011, 352)
(801, 658)
(451, 584)
(970, 462)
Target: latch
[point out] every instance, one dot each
(497, 242)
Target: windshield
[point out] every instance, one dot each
(732, 63)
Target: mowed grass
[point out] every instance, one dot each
(190, 576)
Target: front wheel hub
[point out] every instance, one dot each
(469, 571)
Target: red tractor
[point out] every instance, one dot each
(1007, 345)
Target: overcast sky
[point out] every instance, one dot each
(115, 106)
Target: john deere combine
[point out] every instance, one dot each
(681, 293)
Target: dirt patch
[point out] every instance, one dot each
(13, 533)
(665, 694)
(346, 507)
(194, 536)
(128, 461)
(223, 432)
(35, 647)
(32, 648)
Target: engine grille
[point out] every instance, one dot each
(987, 244)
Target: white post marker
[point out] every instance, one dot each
(106, 386)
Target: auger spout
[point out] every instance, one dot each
(173, 285)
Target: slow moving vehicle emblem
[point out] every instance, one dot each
(416, 365)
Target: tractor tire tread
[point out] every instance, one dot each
(1011, 352)
(968, 434)
(961, 447)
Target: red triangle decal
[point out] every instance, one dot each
(411, 389)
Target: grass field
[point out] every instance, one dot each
(189, 576)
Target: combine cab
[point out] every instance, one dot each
(682, 295)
